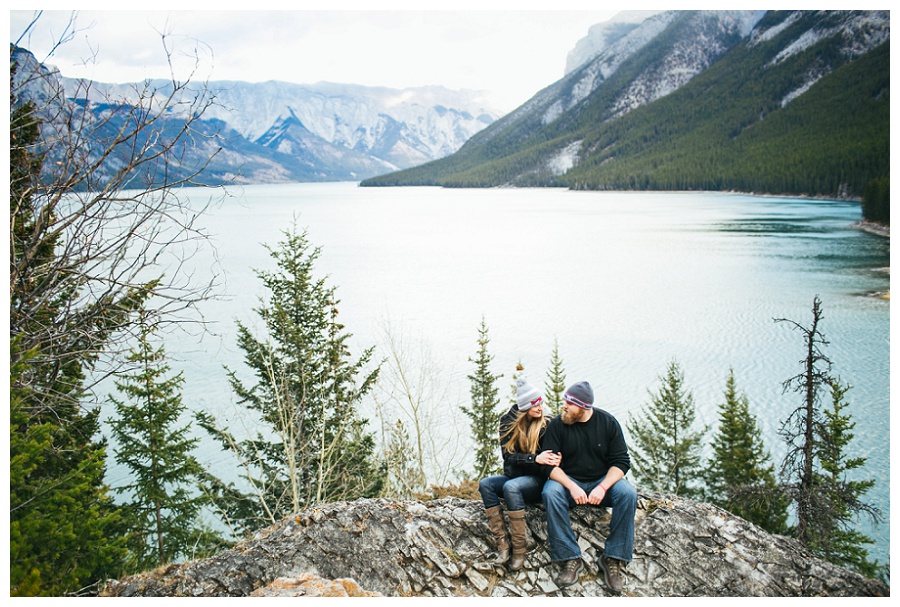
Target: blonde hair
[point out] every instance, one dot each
(525, 433)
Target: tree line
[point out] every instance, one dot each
(814, 496)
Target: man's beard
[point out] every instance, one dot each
(570, 418)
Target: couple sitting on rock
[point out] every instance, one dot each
(578, 457)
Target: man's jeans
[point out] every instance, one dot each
(563, 546)
(516, 491)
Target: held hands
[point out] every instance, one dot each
(548, 458)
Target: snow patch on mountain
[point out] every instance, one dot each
(687, 56)
(564, 159)
(602, 36)
(608, 44)
(801, 89)
(860, 31)
(759, 36)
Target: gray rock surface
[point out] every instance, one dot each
(443, 548)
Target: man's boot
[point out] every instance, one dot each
(613, 573)
(498, 528)
(517, 535)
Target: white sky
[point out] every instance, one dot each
(487, 45)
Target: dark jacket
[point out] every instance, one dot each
(519, 464)
(590, 448)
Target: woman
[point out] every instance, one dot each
(525, 468)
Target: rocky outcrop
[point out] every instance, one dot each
(443, 548)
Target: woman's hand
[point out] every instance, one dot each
(548, 458)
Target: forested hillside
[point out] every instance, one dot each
(769, 116)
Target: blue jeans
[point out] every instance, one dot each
(516, 491)
(563, 546)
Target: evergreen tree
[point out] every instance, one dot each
(556, 381)
(666, 448)
(832, 536)
(740, 476)
(482, 412)
(876, 201)
(163, 513)
(64, 526)
(815, 465)
(312, 446)
(64, 529)
(87, 234)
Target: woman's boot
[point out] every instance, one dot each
(517, 536)
(498, 528)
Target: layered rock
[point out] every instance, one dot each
(444, 547)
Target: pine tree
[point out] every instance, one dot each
(556, 381)
(64, 527)
(832, 535)
(815, 465)
(311, 445)
(666, 451)
(87, 234)
(482, 412)
(156, 449)
(740, 477)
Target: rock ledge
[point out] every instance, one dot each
(443, 548)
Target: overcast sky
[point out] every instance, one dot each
(512, 54)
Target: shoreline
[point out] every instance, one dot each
(884, 231)
(878, 229)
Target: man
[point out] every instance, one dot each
(594, 462)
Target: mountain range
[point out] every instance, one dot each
(274, 131)
(780, 102)
(786, 102)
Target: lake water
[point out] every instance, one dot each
(623, 282)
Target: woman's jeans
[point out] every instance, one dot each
(619, 544)
(516, 491)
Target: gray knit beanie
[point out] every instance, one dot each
(527, 396)
(580, 395)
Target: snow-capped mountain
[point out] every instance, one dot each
(690, 49)
(338, 131)
(278, 131)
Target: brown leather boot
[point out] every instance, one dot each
(517, 536)
(498, 528)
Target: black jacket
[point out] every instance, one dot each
(520, 464)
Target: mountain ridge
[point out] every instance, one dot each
(340, 132)
(684, 106)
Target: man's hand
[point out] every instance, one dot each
(548, 458)
(578, 494)
(597, 495)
